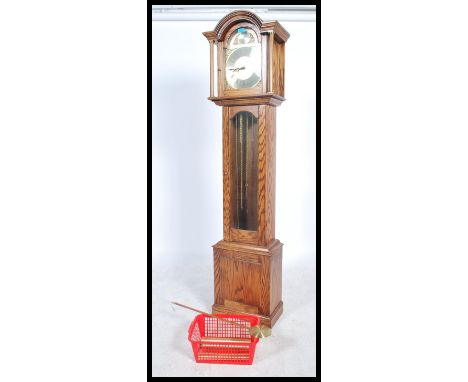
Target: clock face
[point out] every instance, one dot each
(243, 60)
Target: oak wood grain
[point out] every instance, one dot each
(263, 99)
(281, 35)
(236, 17)
(226, 175)
(249, 248)
(245, 236)
(270, 176)
(265, 286)
(242, 307)
(245, 276)
(217, 283)
(261, 173)
(241, 256)
(237, 278)
(278, 68)
(253, 109)
(220, 66)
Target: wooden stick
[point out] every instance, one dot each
(210, 315)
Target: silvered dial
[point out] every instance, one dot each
(243, 67)
(243, 62)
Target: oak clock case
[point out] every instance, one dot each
(250, 85)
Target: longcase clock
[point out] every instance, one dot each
(250, 85)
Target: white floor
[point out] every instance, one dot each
(290, 351)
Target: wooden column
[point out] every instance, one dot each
(270, 61)
(211, 68)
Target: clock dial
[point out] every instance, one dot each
(243, 62)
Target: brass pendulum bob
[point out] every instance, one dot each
(257, 331)
(260, 331)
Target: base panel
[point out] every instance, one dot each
(247, 280)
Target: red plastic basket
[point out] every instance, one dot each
(216, 341)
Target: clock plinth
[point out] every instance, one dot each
(248, 279)
(250, 84)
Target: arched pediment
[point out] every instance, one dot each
(231, 19)
(219, 33)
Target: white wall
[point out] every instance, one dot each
(187, 176)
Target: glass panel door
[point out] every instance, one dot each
(244, 160)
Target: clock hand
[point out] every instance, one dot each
(237, 69)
